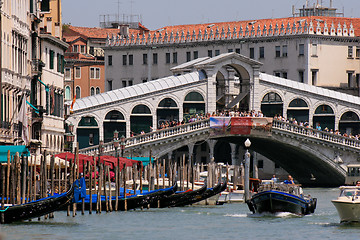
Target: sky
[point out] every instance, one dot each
(156, 14)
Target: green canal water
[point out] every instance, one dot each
(229, 221)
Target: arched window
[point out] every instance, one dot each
(324, 118)
(92, 91)
(167, 103)
(114, 115)
(97, 90)
(272, 98)
(298, 103)
(67, 93)
(141, 109)
(324, 109)
(114, 120)
(78, 92)
(298, 110)
(194, 97)
(349, 123)
(272, 105)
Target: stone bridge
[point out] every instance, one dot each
(314, 158)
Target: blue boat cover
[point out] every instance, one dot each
(144, 160)
(21, 149)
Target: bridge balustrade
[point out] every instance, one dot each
(203, 124)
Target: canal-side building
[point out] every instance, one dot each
(316, 50)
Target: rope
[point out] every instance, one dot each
(4, 209)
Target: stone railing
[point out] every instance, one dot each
(205, 124)
(151, 136)
(251, 30)
(313, 133)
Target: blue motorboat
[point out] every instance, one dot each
(279, 197)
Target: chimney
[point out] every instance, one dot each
(124, 30)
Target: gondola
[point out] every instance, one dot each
(209, 192)
(171, 200)
(37, 208)
(134, 201)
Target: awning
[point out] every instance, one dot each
(46, 86)
(21, 149)
(144, 160)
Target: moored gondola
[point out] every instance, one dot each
(37, 208)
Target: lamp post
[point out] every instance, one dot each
(70, 137)
(116, 142)
(122, 142)
(247, 170)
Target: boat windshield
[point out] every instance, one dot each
(349, 192)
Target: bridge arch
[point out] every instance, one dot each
(272, 103)
(324, 116)
(298, 108)
(87, 131)
(113, 120)
(167, 110)
(194, 103)
(141, 119)
(349, 123)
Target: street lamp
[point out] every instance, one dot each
(122, 142)
(101, 147)
(247, 170)
(116, 142)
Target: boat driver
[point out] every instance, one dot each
(358, 183)
(290, 180)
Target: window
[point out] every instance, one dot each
(301, 49)
(217, 52)
(155, 58)
(131, 59)
(261, 52)
(77, 72)
(252, 53)
(284, 75)
(314, 50)
(110, 60)
(110, 86)
(196, 54)
(188, 56)
(175, 57)
(260, 164)
(52, 59)
(350, 51)
(124, 59)
(301, 76)
(97, 90)
(357, 53)
(210, 53)
(76, 48)
(45, 5)
(145, 59)
(284, 51)
(230, 50)
(78, 92)
(167, 57)
(124, 83)
(67, 93)
(144, 80)
(350, 79)
(94, 73)
(91, 50)
(58, 58)
(277, 51)
(277, 74)
(82, 49)
(130, 83)
(67, 74)
(92, 91)
(237, 50)
(314, 77)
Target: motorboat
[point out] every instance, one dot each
(348, 204)
(279, 197)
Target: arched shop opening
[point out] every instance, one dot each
(299, 110)
(114, 120)
(324, 117)
(140, 119)
(167, 110)
(87, 132)
(193, 104)
(349, 123)
(272, 105)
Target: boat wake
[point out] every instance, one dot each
(274, 215)
(237, 215)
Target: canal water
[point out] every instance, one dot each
(229, 221)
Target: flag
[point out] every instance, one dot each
(23, 118)
(72, 104)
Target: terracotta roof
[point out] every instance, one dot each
(87, 32)
(262, 22)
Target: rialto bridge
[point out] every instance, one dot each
(208, 85)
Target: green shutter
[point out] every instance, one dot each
(51, 59)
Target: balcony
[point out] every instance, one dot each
(36, 66)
